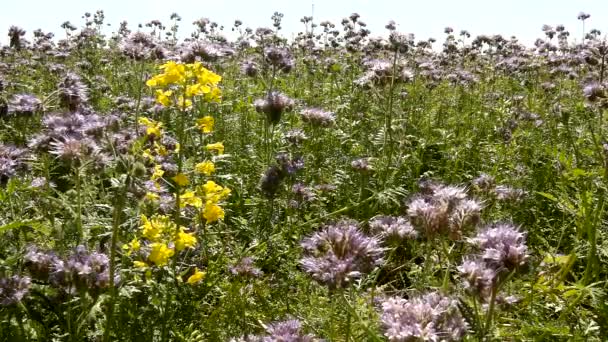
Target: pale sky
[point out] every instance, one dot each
(424, 18)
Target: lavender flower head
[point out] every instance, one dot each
(478, 277)
(246, 268)
(249, 68)
(318, 117)
(279, 58)
(11, 161)
(73, 92)
(273, 106)
(391, 228)
(431, 317)
(13, 289)
(502, 246)
(443, 209)
(285, 331)
(24, 105)
(339, 254)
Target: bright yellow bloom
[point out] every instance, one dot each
(215, 95)
(132, 246)
(160, 253)
(181, 179)
(140, 264)
(152, 127)
(205, 124)
(206, 168)
(153, 228)
(158, 172)
(151, 196)
(214, 192)
(197, 89)
(184, 103)
(196, 277)
(184, 240)
(219, 147)
(212, 212)
(190, 198)
(164, 97)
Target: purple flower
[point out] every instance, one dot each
(285, 331)
(24, 105)
(73, 92)
(431, 317)
(393, 228)
(502, 246)
(246, 268)
(478, 277)
(273, 106)
(339, 254)
(318, 117)
(13, 289)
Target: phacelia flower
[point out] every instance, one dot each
(431, 317)
(502, 245)
(339, 254)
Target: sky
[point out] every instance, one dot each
(424, 18)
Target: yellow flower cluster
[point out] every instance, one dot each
(179, 83)
(165, 239)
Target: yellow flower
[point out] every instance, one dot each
(205, 124)
(158, 172)
(190, 198)
(152, 228)
(181, 179)
(132, 246)
(219, 147)
(160, 253)
(152, 197)
(212, 212)
(213, 192)
(215, 95)
(152, 127)
(184, 240)
(197, 90)
(184, 103)
(164, 97)
(206, 168)
(196, 277)
(140, 264)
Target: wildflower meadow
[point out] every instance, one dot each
(166, 183)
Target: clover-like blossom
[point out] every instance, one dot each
(339, 254)
(430, 317)
(501, 245)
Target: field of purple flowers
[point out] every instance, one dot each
(338, 186)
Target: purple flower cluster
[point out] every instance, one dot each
(430, 317)
(246, 268)
(273, 106)
(443, 209)
(285, 331)
(318, 117)
(273, 177)
(502, 249)
(13, 289)
(392, 228)
(339, 254)
(80, 270)
(11, 161)
(24, 105)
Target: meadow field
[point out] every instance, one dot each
(166, 183)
